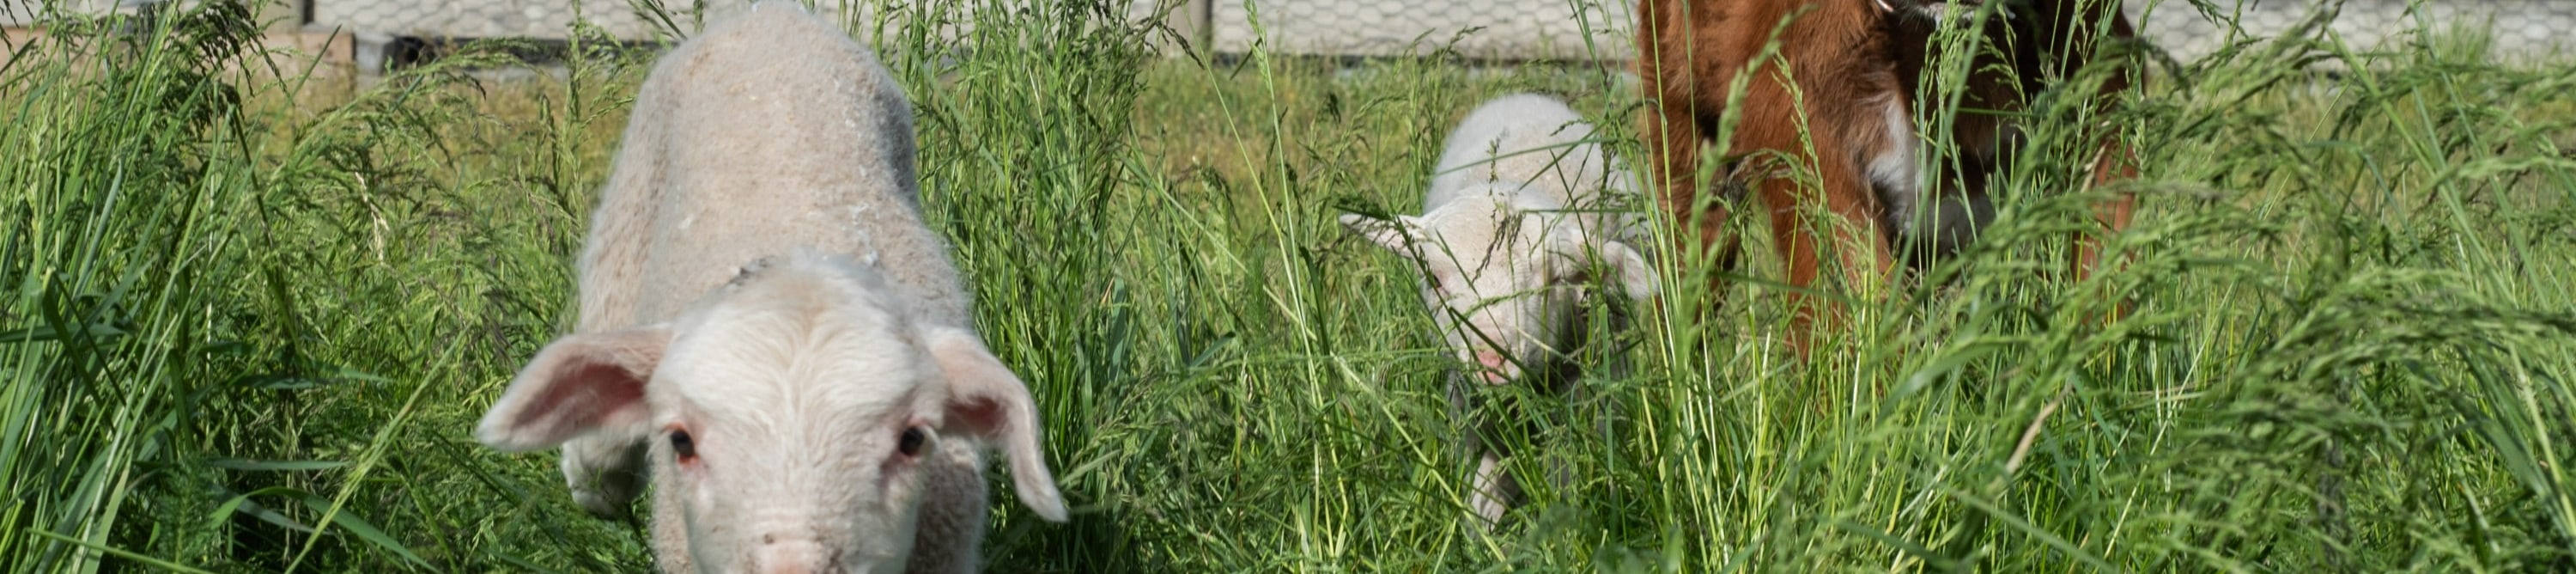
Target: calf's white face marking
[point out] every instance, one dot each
(1896, 170)
(1897, 173)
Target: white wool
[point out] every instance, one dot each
(1521, 223)
(759, 285)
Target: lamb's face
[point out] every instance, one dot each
(1503, 283)
(793, 410)
(796, 410)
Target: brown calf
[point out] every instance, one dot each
(1835, 100)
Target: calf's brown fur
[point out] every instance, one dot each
(1834, 99)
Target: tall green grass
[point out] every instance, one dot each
(253, 313)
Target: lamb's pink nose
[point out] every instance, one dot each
(797, 557)
(1495, 369)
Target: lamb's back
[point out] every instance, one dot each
(1534, 141)
(776, 132)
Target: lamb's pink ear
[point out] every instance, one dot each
(988, 402)
(1635, 276)
(1629, 271)
(592, 382)
(1393, 234)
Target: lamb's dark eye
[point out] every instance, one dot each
(683, 447)
(910, 443)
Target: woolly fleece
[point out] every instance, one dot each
(768, 133)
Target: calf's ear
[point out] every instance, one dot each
(988, 402)
(580, 384)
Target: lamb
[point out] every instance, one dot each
(1514, 231)
(766, 319)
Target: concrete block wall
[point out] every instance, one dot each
(550, 19)
(470, 18)
(2521, 29)
(1502, 29)
(533, 19)
(281, 15)
(1495, 29)
(1522, 29)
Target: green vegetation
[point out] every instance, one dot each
(250, 316)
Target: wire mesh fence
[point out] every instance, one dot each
(1483, 29)
(1599, 29)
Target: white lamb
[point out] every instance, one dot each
(766, 319)
(1513, 235)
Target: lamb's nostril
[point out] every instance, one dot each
(794, 556)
